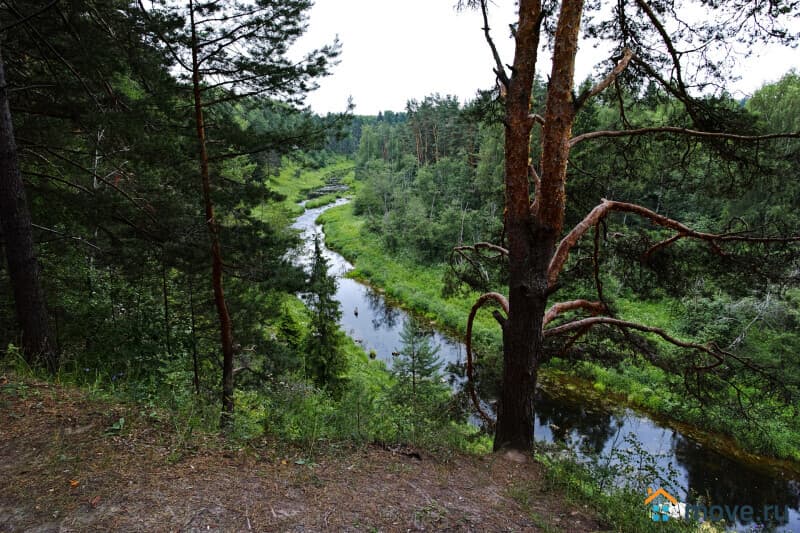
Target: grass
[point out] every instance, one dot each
(619, 509)
(324, 200)
(295, 182)
(67, 471)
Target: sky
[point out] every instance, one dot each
(396, 50)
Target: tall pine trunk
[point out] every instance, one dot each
(226, 334)
(23, 268)
(533, 228)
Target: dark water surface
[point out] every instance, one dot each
(611, 433)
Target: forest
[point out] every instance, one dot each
(630, 240)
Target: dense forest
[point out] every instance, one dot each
(632, 233)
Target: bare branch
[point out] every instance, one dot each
(598, 283)
(537, 181)
(462, 252)
(682, 131)
(485, 298)
(621, 65)
(565, 246)
(28, 17)
(711, 349)
(662, 244)
(538, 119)
(601, 211)
(67, 236)
(144, 209)
(499, 69)
(482, 245)
(595, 308)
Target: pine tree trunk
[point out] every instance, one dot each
(522, 340)
(533, 229)
(24, 270)
(226, 334)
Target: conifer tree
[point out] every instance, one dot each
(326, 361)
(231, 51)
(417, 364)
(419, 391)
(16, 228)
(538, 242)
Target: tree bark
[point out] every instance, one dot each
(533, 229)
(23, 267)
(226, 333)
(522, 331)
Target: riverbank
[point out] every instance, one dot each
(419, 289)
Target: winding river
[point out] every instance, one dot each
(616, 435)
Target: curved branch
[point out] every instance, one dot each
(537, 181)
(662, 244)
(585, 323)
(489, 296)
(538, 119)
(595, 308)
(683, 131)
(475, 248)
(601, 211)
(482, 245)
(571, 239)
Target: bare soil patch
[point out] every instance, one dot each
(64, 467)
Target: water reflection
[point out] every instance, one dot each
(699, 475)
(578, 426)
(715, 479)
(383, 316)
(587, 428)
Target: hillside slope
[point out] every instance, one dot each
(68, 463)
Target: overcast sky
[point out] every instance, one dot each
(397, 50)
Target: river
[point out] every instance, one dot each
(616, 435)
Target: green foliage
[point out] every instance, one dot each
(424, 188)
(325, 361)
(420, 398)
(122, 241)
(616, 492)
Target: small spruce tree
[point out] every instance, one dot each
(419, 392)
(325, 359)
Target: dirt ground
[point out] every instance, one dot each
(65, 467)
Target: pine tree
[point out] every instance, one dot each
(419, 390)
(326, 361)
(232, 51)
(16, 227)
(417, 363)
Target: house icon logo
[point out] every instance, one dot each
(659, 502)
